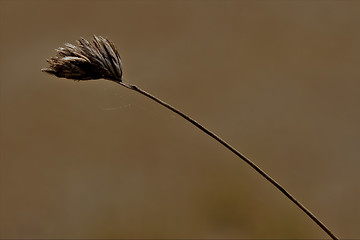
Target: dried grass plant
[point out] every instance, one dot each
(99, 59)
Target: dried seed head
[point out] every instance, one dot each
(89, 60)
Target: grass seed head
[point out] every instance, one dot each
(88, 60)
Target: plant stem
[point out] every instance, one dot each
(236, 152)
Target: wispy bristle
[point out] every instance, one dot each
(89, 60)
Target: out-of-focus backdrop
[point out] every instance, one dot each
(279, 80)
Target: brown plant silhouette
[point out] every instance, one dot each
(100, 59)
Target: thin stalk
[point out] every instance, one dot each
(236, 152)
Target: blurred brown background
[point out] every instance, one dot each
(279, 80)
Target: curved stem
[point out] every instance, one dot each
(236, 152)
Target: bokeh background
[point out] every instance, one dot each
(279, 80)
